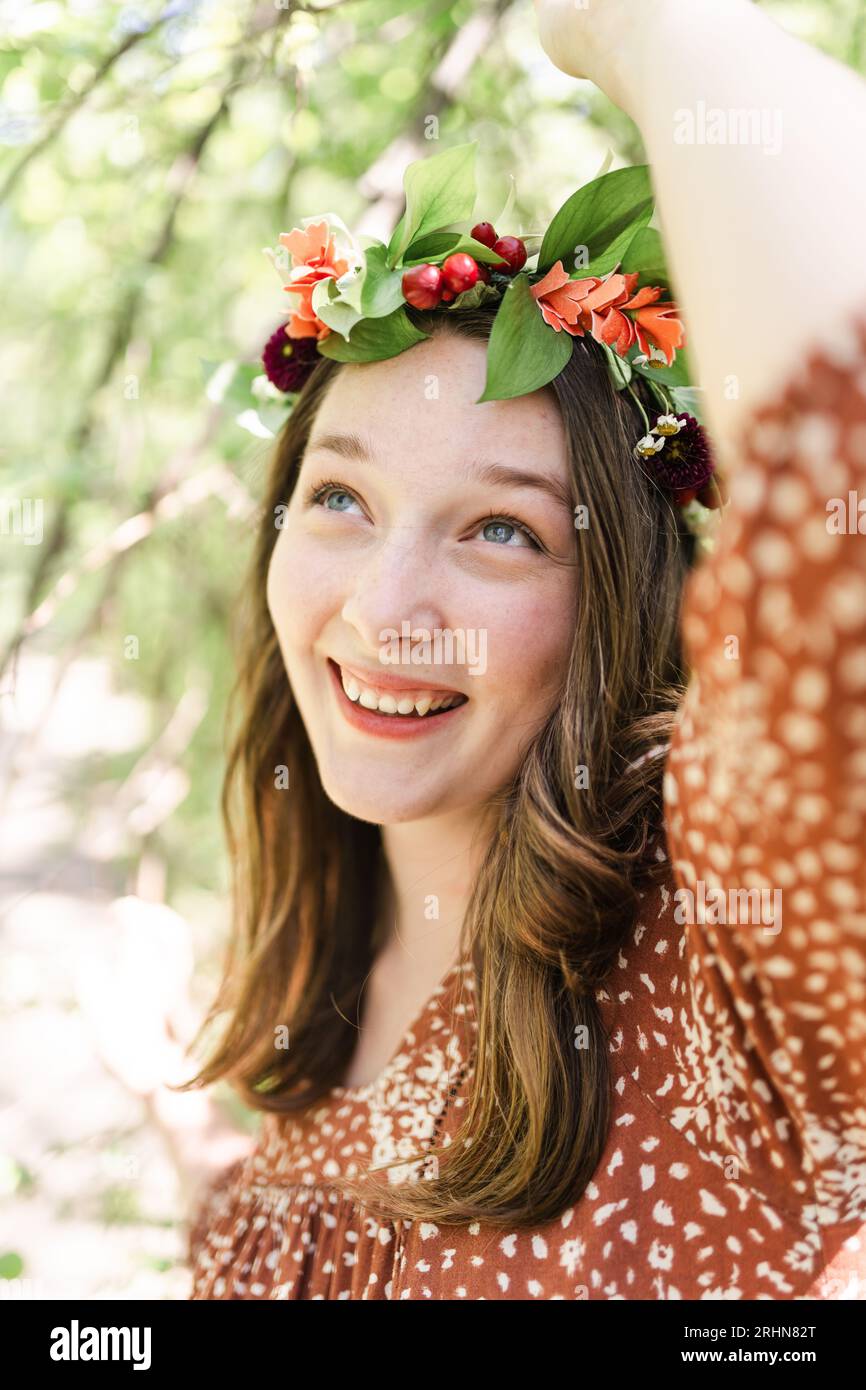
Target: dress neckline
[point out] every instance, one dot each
(360, 1093)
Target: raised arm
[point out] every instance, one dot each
(765, 785)
(763, 233)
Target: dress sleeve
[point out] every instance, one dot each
(765, 785)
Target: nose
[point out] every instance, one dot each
(395, 583)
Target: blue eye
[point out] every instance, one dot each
(332, 497)
(495, 531)
(508, 531)
(498, 528)
(334, 501)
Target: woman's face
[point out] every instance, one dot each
(404, 525)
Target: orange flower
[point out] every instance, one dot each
(314, 258)
(608, 308)
(662, 328)
(560, 300)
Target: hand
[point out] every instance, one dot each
(602, 40)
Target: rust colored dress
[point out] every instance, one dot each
(735, 1166)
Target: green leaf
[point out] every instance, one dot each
(239, 391)
(218, 377)
(230, 383)
(251, 421)
(438, 245)
(603, 216)
(439, 190)
(689, 399)
(480, 293)
(645, 254)
(333, 310)
(372, 340)
(383, 288)
(505, 214)
(619, 368)
(524, 353)
(677, 375)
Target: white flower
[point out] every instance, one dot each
(655, 359)
(648, 446)
(261, 389)
(668, 424)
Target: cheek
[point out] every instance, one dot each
(529, 644)
(298, 588)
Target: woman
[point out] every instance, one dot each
(586, 1067)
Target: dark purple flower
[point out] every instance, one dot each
(287, 361)
(686, 463)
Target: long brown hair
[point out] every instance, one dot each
(558, 888)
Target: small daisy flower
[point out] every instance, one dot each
(656, 358)
(646, 447)
(668, 424)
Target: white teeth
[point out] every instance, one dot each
(426, 703)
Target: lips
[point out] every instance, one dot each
(394, 708)
(396, 697)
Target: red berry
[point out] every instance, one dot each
(460, 271)
(512, 250)
(485, 232)
(483, 273)
(423, 286)
(447, 296)
(685, 495)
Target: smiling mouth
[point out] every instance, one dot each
(400, 705)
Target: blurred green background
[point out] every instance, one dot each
(147, 154)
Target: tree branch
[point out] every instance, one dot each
(67, 111)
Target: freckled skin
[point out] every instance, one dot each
(414, 542)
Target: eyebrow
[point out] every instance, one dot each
(352, 446)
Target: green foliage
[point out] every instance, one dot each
(603, 217)
(645, 254)
(11, 1265)
(677, 375)
(371, 340)
(382, 292)
(524, 354)
(439, 190)
(436, 247)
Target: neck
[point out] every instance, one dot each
(432, 868)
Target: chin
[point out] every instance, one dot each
(383, 805)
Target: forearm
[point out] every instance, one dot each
(764, 237)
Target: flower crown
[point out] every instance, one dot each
(349, 300)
